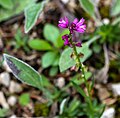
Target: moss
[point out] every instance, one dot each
(104, 11)
(41, 109)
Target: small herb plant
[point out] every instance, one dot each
(52, 45)
(28, 75)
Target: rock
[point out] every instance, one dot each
(116, 89)
(13, 116)
(106, 21)
(60, 82)
(103, 93)
(15, 87)
(65, 1)
(3, 102)
(109, 113)
(12, 100)
(5, 78)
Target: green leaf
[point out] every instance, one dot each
(66, 61)
(18, 7)
(115, 10)
(23, 71)
(80, 90)
(48, 59)
(56, 61)
(74, 105)
(88, 7)
(79, 80)
(31, 14)
(24, 99)
(40, 45)
(3, 112)
(51, 33)
(6, 4)
(59, 42)
(63, 104)
(53, 71)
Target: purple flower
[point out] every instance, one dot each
(63, 22)
(78, 26)
(66, 39)
(78, 44)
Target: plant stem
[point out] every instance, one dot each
(81, 66)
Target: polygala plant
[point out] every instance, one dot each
(28, 75)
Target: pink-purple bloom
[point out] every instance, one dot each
(63, 22)
(66, 39)
(76, 25)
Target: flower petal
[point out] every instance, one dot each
(75, 21)
(82, 20)
(63, 22)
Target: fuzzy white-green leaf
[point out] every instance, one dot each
(23, 71)
(31, 14)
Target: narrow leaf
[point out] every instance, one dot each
(40, 45)
(62, 105)
(23, 71)
(79, 90)
(31, 14)
(88, 7)
(115, 10)
(6, 4)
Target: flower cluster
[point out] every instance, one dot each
(77, 26)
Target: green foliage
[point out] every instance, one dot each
(51, 33)
(109, 33)
(31, 14)
(40, 45)
(7, 4)
(69, 108)
(53, 71)
(24, 99)
(48, 59)
(88, 7)
(66, 61)
(115, 10)
(13, 7)
(21, 40)
(59, 42)
(77, 79)
(3, 112)
(23, 71)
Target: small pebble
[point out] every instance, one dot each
(5, 78)
(15, 87)
(116, 89)
(106, 21)
(13, 116)
(60, 82)
(108, 113)
(65, 1)
(3, 102)
(12, 100)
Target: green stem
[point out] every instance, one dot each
(80, 65)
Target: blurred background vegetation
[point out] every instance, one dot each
(41, 47)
